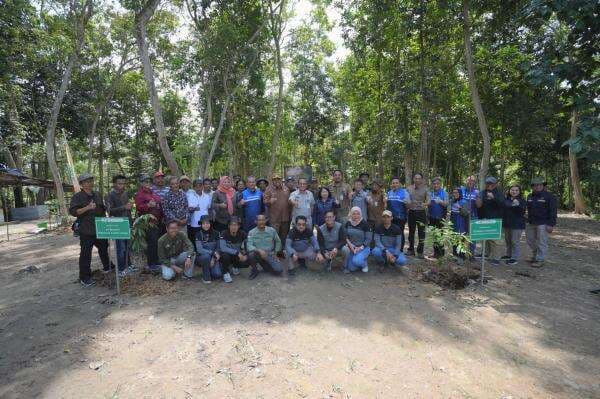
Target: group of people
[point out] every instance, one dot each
(224, 225)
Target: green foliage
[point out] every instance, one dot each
(447, 238)
(139, 230)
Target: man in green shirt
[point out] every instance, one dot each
(263, 243)
(175, 251)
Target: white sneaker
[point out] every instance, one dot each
(365, 269)
(235, 271)
(227, 278)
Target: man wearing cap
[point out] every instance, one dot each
(541, 219)
(119, 205)
(149, 203)
(388, 243)
(159, 187)
(339, 192)
(437, 209)
(276, 200)
(175, 205)
(86, 205)
(490, 205)
(251, 203)
(198, 202)
(262, 184)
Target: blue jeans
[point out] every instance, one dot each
(209, 273)
(121, 253)
(356, 261)
(380, 257)
(168, 273)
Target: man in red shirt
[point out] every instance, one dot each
(149, 202)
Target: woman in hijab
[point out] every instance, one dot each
(358, 241)
(222, 203)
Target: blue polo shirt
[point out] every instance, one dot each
(437, 211)
(396, 202)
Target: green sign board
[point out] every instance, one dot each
(113, 228)
(485, 229)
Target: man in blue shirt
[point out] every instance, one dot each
(251, 203)
(470, 193)
(438, 205)
(397, 198)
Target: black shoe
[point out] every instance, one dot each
(511, 262)
(110, 269)
(253, 273)
(505, 257)
(292, 272)
(410, 252)
(88, 282)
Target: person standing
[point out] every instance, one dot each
(375, 204)
(417, 214)
(331, 237)
(541, 219)
(149, 203)
(397, 200)
(175, 253)
(490, 205)
(314, 187)
(302, 202)
(118, 205)
(358, 241)
(513, 224)
(86, 205)
(358, 197)
(364, 177)
(262, 184)
(276, 199)
(222, 203)
(438, 206)
(233, 249)
(290, 183)
(198, 205)
(251, 203)
(301, 245)
(159, 187)
(459, 216)
(323, 204)
(388, 241)
(263, 245)
(470, 193)
(175, 205)
(240, 186)
(214, 184)
(340, 192)
(185, 184)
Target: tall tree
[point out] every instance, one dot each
(484, 166)
(142, 17)
(81, 14)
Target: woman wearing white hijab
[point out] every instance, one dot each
(358, 239)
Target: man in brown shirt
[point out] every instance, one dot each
(375, 204)
(417, 214)
(276, 198)
(340, 192)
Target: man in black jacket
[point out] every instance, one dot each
(86, 205)
(541, 219)
(490, 204)
(119, 205)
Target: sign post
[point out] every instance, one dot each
(113, 229)
(483, 230)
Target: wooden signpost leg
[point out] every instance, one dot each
(482, 263)
(116, 266)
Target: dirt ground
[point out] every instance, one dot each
(320, 336)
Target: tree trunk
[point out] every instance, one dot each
(51, 128)
(483, 128)
(276, 25)
(141, 18)
(74, 179)
(578, 201)
(217, 135)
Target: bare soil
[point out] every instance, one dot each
(532, 333)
